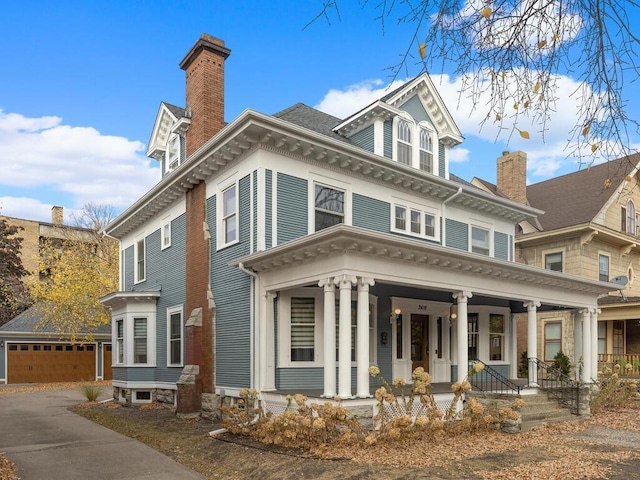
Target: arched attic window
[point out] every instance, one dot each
(425, 147)
(631, 218)
(404, 146)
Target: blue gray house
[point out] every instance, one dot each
(290, 252)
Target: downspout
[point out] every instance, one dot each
(444, 216)
(252, 331)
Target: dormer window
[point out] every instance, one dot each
(173, 153)
(631, 218)
(404, 142)
(426, 150)
(414, 144)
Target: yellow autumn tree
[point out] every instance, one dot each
(77, 267)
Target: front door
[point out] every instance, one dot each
(419, 341)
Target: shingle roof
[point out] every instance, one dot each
(31, 321)
(179, 112)
(307, 117)
(577, 197)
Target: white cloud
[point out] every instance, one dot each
(342, 103)
(80, 163)
(459, 155)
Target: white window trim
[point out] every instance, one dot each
(415, 142)
(329, 183)
(284, 327)
(119, 348)
(604, 254)
(482, 226)
(222, 187)
(136, 278)
(171, 311)
(423, 210)
(165, 239)
(134, 397)
(173, 162)
(128, 353)
(551, 251)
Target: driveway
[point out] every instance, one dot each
(47, 441)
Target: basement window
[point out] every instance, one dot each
(142, 396)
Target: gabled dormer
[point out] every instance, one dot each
(167, 143)
(410, 125)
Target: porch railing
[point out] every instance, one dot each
(629, 364)
(490, 380)
(557, 385)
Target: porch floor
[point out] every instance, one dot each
(436, 389)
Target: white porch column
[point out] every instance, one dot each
(345, 283)
(462, 334)
(329, 337)
(577, 337)
(532, 340)
(267, 343)
(362, 345)
(586, 345)
(515, 360)
(594, 342)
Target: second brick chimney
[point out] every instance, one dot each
(204, 67)
(512, 176)
(57, 216)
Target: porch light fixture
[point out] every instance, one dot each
(453, 312)
(1, 343)
(384, 337)
(394, 316)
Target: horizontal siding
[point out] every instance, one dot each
(231, 293)
(441, 160)
(388, 139)
(364, 138)
(268, 207)
(457, 235)
(501, 245)
(371, 213)
(134, 374)
(292, 208)
(128, 269)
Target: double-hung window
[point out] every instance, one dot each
(602, 338)
(631, 218)
(303, 329)
(404, 145)
(603, 268)
(141, 270)
(173, 153)
(553, 261)
(552, 340)
(174, 336)
(618, 337)
(496, 337)
(165, 233)
(480, 240)
(329, 206)
(414, 221)
(230, 214)
(426, 150)
(120, 340)
(140, 347)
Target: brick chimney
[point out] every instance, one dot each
(57, 216)
(512, 176)
(204, 67)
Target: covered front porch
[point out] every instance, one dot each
(330, 305)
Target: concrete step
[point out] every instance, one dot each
(545, 414)
(528, 425)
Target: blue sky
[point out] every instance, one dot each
(81, 83)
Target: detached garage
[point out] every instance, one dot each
(31, 352)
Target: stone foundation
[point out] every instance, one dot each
(125, 396)
(497, 401)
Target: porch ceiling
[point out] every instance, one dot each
(355, 241)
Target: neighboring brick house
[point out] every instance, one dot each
(590, 228)
(292, 251)
(30, 350)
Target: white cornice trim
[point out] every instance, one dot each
(345, 239)
(251, 130)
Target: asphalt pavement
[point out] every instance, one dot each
(48, 442)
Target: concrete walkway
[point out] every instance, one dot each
(48, 442)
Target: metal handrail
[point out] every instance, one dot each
(557, 385)
(490, 380)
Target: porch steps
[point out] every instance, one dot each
(541, 410)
